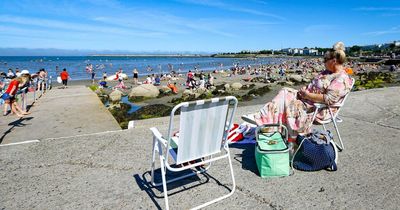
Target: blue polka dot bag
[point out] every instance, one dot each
(316, 151)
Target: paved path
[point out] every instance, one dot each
(59, 113)
(110, 170)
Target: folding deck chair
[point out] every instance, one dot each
(203, 131)
(334, 116)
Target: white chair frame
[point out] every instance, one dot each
(162, 147)
(334, 116)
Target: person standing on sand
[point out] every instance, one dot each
(64, 77)
(93, 75)
(104, 75)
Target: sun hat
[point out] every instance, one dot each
(24, 71)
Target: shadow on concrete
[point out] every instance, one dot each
(16, 123)
(247, 158)
(144, 182)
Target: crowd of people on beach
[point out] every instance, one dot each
(196, 78)
(192, 80)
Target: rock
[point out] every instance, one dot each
(115, 96)
(258, 79)
(236, 86)
(212, 88)
(290, 70)
(115, 106)
(201, 90)
(289, 83)
(295, 78)
(145, 90)
(98, 91)
(227, 87)
(186, 93)
(306, 80)
(151, 111)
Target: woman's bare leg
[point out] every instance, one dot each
(6, 105)
(19, 109)
(14, 109)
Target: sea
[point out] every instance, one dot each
(76, 65)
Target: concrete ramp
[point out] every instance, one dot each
(59, 113)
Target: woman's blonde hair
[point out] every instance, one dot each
(24, 78)
(336, 52)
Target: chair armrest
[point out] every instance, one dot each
(336, 106)
(320, 106)
(158, 136)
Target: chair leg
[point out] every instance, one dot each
(225, 196)
(341, 146)
(164, 183)
(153, 161)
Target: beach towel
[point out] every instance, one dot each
(242, 134)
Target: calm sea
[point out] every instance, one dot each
(110, 64)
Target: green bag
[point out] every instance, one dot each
(272, 152)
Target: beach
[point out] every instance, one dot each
(257, 85)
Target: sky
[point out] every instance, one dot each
(195, 25)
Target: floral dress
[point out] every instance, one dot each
(296, 113)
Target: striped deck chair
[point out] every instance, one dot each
(203, 130)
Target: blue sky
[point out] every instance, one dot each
(195, 25)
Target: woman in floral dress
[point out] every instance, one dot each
(294, 108)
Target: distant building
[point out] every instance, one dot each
(310, 52)
(300, 51)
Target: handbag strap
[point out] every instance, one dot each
(294, 155)
(334, 165)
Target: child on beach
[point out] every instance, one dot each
(64, 77)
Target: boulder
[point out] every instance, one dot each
(201, 90)
(289, 83)
(186, 93)
(295, 78)
(145, 90)
(236, 86)
(227, 87)
(115, 96)
(212, 88)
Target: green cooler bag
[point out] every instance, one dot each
(272, 153)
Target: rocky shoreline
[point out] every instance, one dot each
(158, 101)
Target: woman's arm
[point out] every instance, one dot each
(315, 97)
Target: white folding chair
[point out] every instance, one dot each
(203, 130)
(334, 118)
